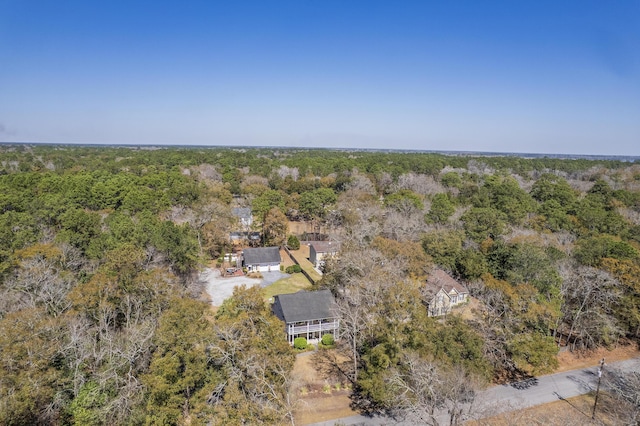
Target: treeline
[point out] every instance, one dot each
(100, 317)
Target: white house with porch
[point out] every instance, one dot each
(308, 314)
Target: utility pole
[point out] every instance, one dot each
(600, 368)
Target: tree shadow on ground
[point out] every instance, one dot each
(525, 384)
(334, 364)
(330, 363)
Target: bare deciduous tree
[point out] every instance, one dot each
(429, 394)
(420, 184)
(589, 297)
(624, 387)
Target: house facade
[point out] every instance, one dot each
(261, 259)
(244, 216)
(442, 293)
(320, 250)
(308, 314)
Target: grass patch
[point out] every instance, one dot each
(309, 269)
(291, 284)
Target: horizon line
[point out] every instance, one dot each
(527, 155)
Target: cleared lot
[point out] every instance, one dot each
(220, 288)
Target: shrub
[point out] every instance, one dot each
(293, 269)
(300, 343)
(293, 242)
(327, 339)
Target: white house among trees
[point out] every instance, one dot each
(261, 259)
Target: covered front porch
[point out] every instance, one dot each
(312, 330)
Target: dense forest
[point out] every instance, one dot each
(102, 315)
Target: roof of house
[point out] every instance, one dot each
(439, 279)
(304, 306)
(261, 255)
(325, 246)
(241, 212)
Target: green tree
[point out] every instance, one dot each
(507, 196)
(268, 200)
(483, 222)
(404, 201)
(30, 370)
(314, 204)
(79, 228)
(451, 180)
(554, 188)
(555, 216)
(534, 353)
(293, 243)
(441, 209)
(591, 251)
(444, 247)
(179, 368)
(525, 262)
(180, 245)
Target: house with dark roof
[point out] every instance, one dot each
(442, 293)
(261, 259)
(308, 314)
(320, 250)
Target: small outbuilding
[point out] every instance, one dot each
(308, 314)
(320, 250)
(261, 259)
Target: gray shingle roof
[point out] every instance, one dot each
(304, 306)
(242, 212)
(261, 255)
(440, 279)
(325, 246)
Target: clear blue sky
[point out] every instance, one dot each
(519, 76)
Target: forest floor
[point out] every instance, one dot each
(323, 393)
(573, 360)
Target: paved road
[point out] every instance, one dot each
(504, 398)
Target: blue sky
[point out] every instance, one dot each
(511, 76)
